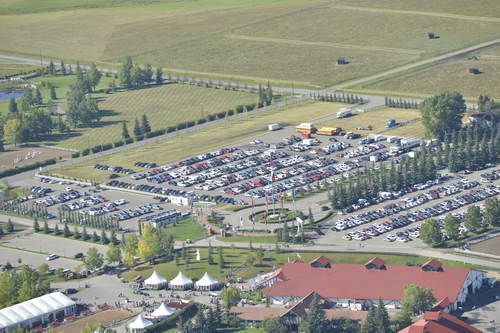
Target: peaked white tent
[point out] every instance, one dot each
(206, 283)
(139, 324)
(181, 282)
(163, 311)
(155, 281)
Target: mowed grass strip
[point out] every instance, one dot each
(165, 105)
(376, 118)
(235, 258)
(228, 133)
(11, 69)
(271, 239)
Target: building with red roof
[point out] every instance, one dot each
(439, 322)
(358, 286)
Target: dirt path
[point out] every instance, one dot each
(326, 44)
(412, 12)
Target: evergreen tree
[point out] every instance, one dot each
(221, 259)
(36, 226)
(159, 76)
(13, 106)
(269, 94)
(472, 219)
(38, 97)
(126, 73)
(51, 69)
(1, 230)
(146, 128)
(370, 324)
(93, 76)
(56, 230)
(148, 73)
(209, 255)
(63, 68)
(125, 134)
(10, 226)
(46, 229)
(382, 318)
(85, 236)
(315, 320)
(66, 231)
(137, 128)
(53, 95)
(311, 217)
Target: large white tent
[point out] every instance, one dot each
(155, 281)
(163, 311)
(36, 311)
(206, 283)
(181, 282)
(139, 324)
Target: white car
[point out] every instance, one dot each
(52, 257)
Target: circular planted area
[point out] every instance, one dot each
(278, 215)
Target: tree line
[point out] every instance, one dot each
(21, 285)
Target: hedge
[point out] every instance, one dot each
(201, 121)
(170, 129)
(211, 117)
(239, 109)
(85, 152)
(75, 154)
(107, 146)
(221, 115)
(129, 141)
(230, 112)
(139, 138)
(181, 126)
(251, 107)
(96, 149)
(33, 166)
(118, 144)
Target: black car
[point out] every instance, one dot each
(79, 255)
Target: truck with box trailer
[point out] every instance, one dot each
(344, 112)
(329, 131)
(406, 144)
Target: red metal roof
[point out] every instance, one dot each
(439, 322)
(441, 305)
(356, 282)
(322, 260)
(433, 263)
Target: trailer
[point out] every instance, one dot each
(329, 131)
(344, 112)
(274, 127)
(410, 143)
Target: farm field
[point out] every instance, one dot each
(280, 40)
(165, 105)
(234, 258)
(377, 119)
(225, 134)
(452, 74)
(9, 68)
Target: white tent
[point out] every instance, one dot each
(181, 281)
(163, 311)
(139, 324)
(206, 283)
(155, 281)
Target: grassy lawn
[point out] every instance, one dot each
(17, 228)
(289, 40)
(165, 105)
(7, 68)
(228, 133)
(235, 258)
(187, 229)
(246, 239)
(377, 119)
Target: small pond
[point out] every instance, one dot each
(8, 94)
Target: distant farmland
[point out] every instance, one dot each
(290, 40)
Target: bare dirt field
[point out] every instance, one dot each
(104, 317)
(490, 246)
(21, 156)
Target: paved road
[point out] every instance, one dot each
(33, 259)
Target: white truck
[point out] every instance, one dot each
(274, 127)
(344, 112)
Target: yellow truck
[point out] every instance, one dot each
(329, 131)
(306, 128)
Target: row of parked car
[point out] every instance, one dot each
(420, 215)
(58, 198)
(134, 212)
(166, 217)
(404, 204)
(117, 169)
(490, 176)
(361, 150)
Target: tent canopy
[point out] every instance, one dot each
(140, 323)
(163, 311)
(206, 281)
(181, 280)
(155, 279)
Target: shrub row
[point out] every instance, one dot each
(33, 166)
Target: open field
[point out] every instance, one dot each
(9, 68)
(165, 105)
(288, 40)
(231, 132)
(377, 119)
(452, 74)
(236, 258)
(21, 156)
(490, 246)
(187, 229)
(103, 317)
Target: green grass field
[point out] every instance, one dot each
(377, 119)
(288, 40)
(187, 229)
(165, 105)
(452, 74)
(235, 259)
(228, 133)
(8, 68)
